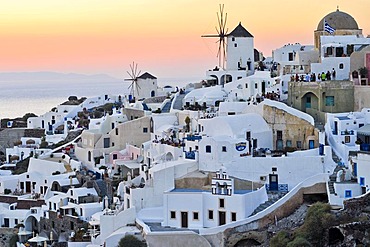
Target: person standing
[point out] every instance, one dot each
(333, 74)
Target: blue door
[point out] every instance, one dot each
(274, 183)
(311, 144)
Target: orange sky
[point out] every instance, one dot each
(162, 36)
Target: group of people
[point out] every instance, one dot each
(313, 77)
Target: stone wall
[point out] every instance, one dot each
(8, 137)
(362, 98)
(61, 224)
(6, 234)
(293, 128)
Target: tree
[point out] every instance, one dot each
(130, 241)
(28, 115)
(187, 122)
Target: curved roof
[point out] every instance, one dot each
(338, 20)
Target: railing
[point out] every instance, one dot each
(365, 147)
(281, 187)
(350, 132)
(190, 155)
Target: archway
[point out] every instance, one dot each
(247, 243)
(169, 156)
(31, 224)
(335, 236)
(309, 101)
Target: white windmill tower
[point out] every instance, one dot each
(134, 86)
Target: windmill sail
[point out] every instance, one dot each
(221, 35)
(134, 74)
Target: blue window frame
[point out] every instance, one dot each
(348, 193)
(329, 100)
(355, 169)
(362, 181)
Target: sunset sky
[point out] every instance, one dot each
(162, 36)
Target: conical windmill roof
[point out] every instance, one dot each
(240, 31)
(146, 75)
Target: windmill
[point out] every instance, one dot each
(221, 35)
(134, 74)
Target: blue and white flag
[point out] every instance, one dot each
(328, 28)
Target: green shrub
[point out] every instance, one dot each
(299, 242)
(317, 221)
(7, 191)
(130, 241)
(281, 239)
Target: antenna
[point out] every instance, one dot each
(134, 74)
(221, 35)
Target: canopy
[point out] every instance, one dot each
(37, 239)
(364, 130)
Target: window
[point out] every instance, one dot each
(362, 181)
(248, 135)
(279, 135)
(246, 85)
(341, 66)
(72, 225)
(289, 143)
(255, 85)
(15, 221)
(274, 169)
(52, 224)
(329, 51)
(233, 216)
(210, 214)
(290, 56)
(115, 156)
(106, 142)
(208, 149)
(329, 100)
(221, 202)
(195, 216)
(223, 148)
(348, 193)
(173, 214)
(116, 131)
(196, 147)
(145, 130)
(299, 144)
(347, 139)
(233, 39)
(235, 45)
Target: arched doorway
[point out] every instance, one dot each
(309, 101)
(31, 224)
(169, 156)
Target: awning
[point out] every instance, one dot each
(128, 163)
(364, 130)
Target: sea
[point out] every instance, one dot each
(19, 97)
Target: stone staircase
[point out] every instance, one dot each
(333, 177)
(273, 197)
(178, 102)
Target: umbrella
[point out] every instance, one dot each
(23, 232)
(37, 239)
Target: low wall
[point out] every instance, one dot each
(176, 239)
